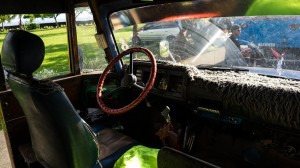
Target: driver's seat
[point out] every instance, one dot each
(60, 138)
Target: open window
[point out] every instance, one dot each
(51, 27)
(91, 57)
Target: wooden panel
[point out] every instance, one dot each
(73, 88)
(10, 106)
(15, 128)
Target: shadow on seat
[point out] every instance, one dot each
(59, 137)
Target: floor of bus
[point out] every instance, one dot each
(4, 158)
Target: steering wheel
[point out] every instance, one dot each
(128, 80)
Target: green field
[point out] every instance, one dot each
(56, 60)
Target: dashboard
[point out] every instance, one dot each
(173, 83)
(235, 94)
(169, 83)
(220, 110)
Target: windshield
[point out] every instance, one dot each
(267, 45)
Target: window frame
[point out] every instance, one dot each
(72, 48)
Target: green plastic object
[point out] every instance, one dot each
(138, 157)
(274, 7)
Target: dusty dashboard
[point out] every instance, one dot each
(169, 82)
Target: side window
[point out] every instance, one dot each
(52, 29)
(91, 57)
(147, 27)
(152, 26)
(156, 26)
(170, 25)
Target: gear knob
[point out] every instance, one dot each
(165, 114)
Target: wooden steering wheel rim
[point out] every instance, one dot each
(142, 95)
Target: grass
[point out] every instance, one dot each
(56, 60)
(56, 52)
(93, 56)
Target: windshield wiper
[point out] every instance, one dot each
(222, 68)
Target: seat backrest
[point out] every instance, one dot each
(60, 138)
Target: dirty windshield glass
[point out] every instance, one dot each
(260, 44)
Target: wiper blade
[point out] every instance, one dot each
(222, 68)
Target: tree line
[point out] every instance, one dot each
(9, 17)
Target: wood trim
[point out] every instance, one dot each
(72, 40)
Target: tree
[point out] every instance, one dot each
(53, 15)
(80, 10)
(31, 17)
(2, 20)
(7, 18)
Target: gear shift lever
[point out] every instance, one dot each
(165, 114)
(167, 133)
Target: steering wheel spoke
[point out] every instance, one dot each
(138, 86)
(145, 89)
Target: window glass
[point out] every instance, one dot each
(52, 29)
(266, 45)
(91, 57)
